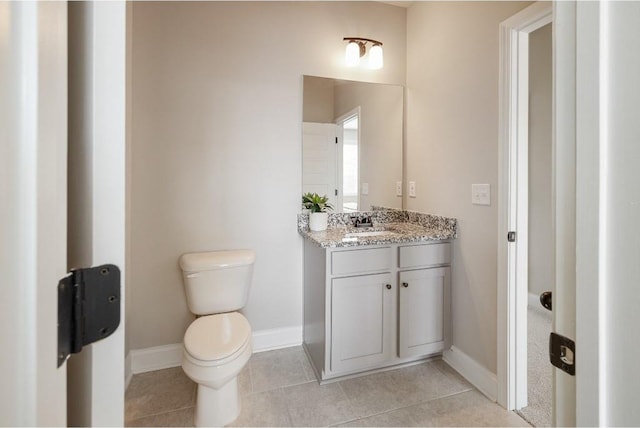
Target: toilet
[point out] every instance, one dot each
(217, 345)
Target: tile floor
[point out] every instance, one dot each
(278, 388)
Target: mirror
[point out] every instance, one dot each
(352, 143)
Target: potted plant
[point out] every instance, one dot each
(318, 207)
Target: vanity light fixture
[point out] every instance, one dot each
(357, 47)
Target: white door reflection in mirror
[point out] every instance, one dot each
(319, 160)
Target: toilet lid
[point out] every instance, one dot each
(216, 337)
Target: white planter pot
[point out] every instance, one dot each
(318, 221)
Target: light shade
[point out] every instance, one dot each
(376, 60)
(352, 54)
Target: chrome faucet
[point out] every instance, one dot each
(362, 221)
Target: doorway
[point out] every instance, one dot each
(348, 127)
(541, 269)
(515, 217)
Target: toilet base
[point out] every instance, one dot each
(217, 407)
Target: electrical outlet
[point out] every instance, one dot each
(481, 194)
(365, 189)
(398, 188)
(412, 189)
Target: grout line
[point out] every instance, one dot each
(158, 414)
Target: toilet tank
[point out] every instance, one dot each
(217, 281)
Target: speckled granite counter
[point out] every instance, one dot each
(397, 226)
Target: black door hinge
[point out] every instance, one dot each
(562, 353)
(511, 236)
(88, 308)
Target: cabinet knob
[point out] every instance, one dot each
(388, 286)
(405, 284)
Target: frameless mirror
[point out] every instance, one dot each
(352, 143)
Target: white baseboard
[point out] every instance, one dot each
(156, 358)
(166, 356)
(276, 338)
(474, 372)
(128, 374)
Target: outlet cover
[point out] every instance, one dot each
(412, 189)
(481, 194)
(365, 189)
(398, 188)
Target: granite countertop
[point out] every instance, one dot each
(401, 227)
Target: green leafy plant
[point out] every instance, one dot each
(316, 203)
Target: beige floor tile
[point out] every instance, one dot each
(394, 418)
(424, 382)
(469, 408)
(452, 374)
(263, 409)
(372, 394)
(279, 368)
(157, 392)
(177, 418)
(311, 404)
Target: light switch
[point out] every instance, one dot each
(412, 189)
(398, 188)
(481, 194)
(365, 188)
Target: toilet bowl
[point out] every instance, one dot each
(216, 348)
(217, 345)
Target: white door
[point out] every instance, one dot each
(33, 206)
(33, 214)
(596, 68)
(319, 160)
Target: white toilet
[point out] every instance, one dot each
(217, 345)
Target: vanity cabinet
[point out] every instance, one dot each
(375, 306)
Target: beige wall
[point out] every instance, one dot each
(452, 142)
(216, 156)
(318, 100)
(541, 246)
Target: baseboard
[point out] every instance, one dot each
(166, 356)
(276, 338)
(156, 358)
(128, 374)
(484, 380)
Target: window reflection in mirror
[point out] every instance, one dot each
(348, 162)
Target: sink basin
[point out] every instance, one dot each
(369, 234)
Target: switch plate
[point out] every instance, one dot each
(365, 189)
(412, 189)
(398, 188)
(481, 194)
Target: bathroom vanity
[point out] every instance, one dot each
(377, 298)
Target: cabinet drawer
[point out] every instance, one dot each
(425, 255)
(359, 261)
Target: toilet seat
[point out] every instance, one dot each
(215, 340)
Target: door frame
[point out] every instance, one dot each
(513, 201)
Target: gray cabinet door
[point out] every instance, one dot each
(425, 297)
(362, 311)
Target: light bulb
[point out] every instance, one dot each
(376, 60)
(352, 54)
